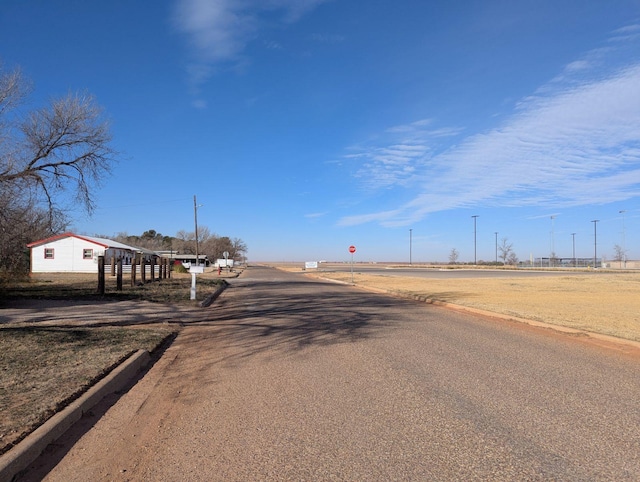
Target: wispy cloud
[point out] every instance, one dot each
(219, 30)
(574, 142)
(398, 156)
(315, 215)
(628, 32)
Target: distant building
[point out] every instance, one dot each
(189, 258)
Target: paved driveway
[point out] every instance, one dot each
(287, 378)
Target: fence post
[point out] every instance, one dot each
(113, 265)
(134, 262)
(101, 275)
(143, 269)
(119, 275)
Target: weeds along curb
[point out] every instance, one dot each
(212, 297)
(29, 449)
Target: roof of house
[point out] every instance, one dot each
(104, 242)
(189, 256)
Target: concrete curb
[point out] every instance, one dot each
(212, 297)
(29, 449)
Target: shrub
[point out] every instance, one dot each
(179, 268)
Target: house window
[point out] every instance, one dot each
(48, 253)
(87, 254)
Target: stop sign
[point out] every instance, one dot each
(352, 249)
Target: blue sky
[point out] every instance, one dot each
(305, 126)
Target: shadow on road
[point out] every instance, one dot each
(290, 315)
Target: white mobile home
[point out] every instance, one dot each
(71, 253)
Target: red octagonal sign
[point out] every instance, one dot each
(352, 249)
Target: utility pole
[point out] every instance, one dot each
(595, 242)
(475, 240)
(573, 235)
(195, 219)
(496, 233)
(410, 244)
(552, 256)
(624, 250)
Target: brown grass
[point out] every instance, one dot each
(606, 303)
(84, 287)
(44, 368)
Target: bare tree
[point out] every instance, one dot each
(61, 148)
(619, 254)
(210, 244)
(150, 239)
(239, 249)
(453, 256)
(506, 251)
(21, 222)
(45, 154)
(185, 242)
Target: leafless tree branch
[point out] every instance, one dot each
(46, 155)
(62, 147)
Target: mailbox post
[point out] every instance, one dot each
(194, 270)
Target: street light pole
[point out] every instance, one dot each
(624, 250)
(475, 240)
(595, 242)
(573, 235)
(552, 256)
(410, 245)
(496, 233)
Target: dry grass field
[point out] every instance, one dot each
(599, 302)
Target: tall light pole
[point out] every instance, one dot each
(595, 242)
(573, 235)
(496, 233)
(410, 244)
(624, 250)
(552, 256)
(475, 240)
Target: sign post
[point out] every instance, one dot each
(352, 249)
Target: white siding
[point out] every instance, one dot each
(67, 256)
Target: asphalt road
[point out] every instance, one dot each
(289, 378)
